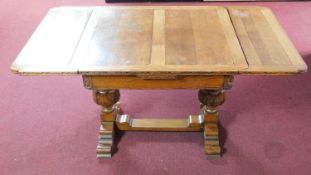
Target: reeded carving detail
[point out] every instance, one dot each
(87, 82)
(211, 99)
(228, 82)
(106, 98)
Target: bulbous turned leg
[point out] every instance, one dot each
(210, 99)
(108, 99)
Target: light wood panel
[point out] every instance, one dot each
(52, 45)
(158, 38)
(116, 37)
(266, 46)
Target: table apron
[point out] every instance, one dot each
(138, 82)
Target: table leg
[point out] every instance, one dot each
(107, 98)
(210, 99)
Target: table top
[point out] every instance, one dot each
(161, 39)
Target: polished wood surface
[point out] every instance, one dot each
(174, 40)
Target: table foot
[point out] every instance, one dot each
(106, 139)
(211, 141)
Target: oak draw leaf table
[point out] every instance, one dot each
(162, 47)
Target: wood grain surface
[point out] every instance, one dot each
(172, 40)
(264, 42)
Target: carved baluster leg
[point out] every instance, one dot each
(210, 99)
(107, 98)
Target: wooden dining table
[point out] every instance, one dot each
(159, 47)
